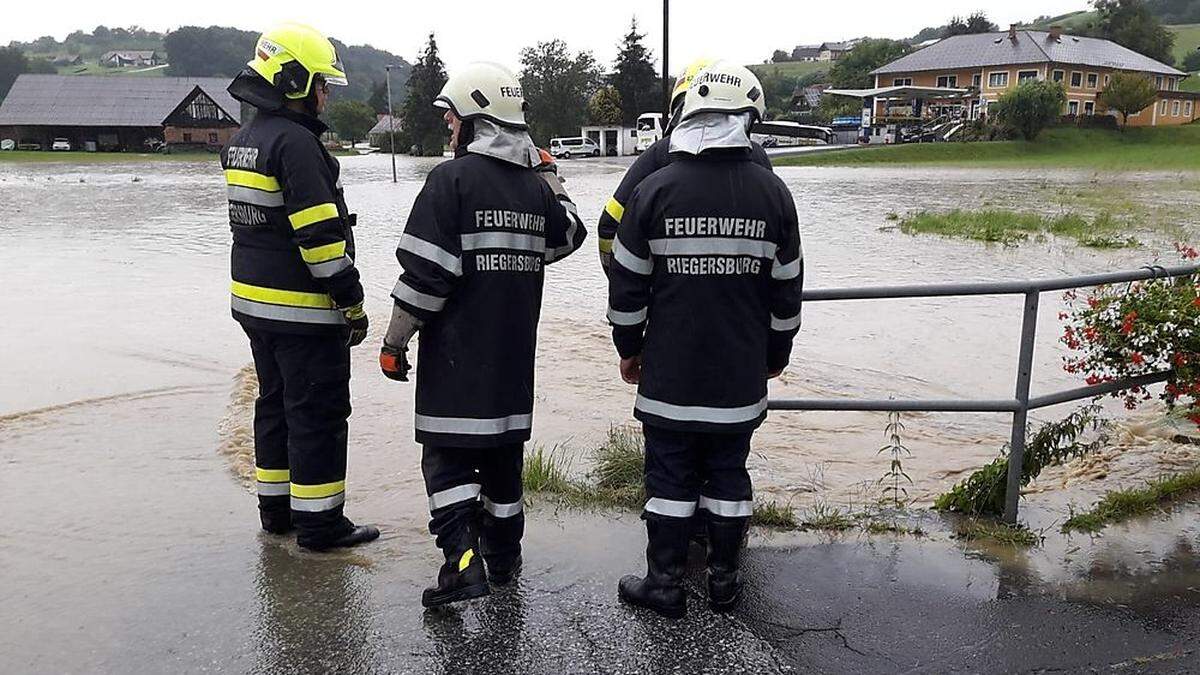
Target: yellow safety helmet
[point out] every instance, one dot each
(291, 55)
(685, 79)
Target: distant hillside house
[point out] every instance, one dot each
(990, 64)
(128, 58)
(119, 113)
(808, 98)
(63, 60)
(834, 51)
(806, 53)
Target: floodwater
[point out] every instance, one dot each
(126, 396)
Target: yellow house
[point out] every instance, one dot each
(990, 64)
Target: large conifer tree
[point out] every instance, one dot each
(424, 129)
(634, 77)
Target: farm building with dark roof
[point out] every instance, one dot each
(119, 113)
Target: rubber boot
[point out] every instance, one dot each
(725, 540)
(661, 590)
(699, 527)
(462, 577)
(276, 520)
(350, 535)
(500, 544)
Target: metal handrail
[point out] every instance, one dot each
(1021, 403)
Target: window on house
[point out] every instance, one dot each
(1059, 75)
(212, 139)
(1107, 78)
(1176, 107)
(1089, 107)
(1187, 109)
(1026, 75)
(902, 82)
(1076, 80)
(1174, 84)
(998, 80)
(1158, 82)
(950, 81)
(1093, 81)
(1162, 108)
(187, 137)
(1073, 108)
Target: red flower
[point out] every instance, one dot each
(1196, 302)
(1127, 324)
(1136, 358)
(1093, 302)
(1092, 380)
(1180, 359)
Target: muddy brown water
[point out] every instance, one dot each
(119, 353)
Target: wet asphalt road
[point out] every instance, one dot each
(160, 569)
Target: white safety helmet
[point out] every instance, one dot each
(724, 87)
(487, 90)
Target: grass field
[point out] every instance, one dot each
(1166, 149)
(1187, 39)
(795, 69)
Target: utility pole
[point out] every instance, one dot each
(666, 68)
(391, 121)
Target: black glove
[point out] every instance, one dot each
(356, 317)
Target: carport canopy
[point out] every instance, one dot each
(903, 92)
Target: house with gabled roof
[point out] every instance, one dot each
(119, 113)
(990, 64)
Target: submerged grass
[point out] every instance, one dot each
(1010, 227)
(829, 519)
(1120, 505)
(616, 479)
(982, 529)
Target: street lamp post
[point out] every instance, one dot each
(391, 121)
(666, 69)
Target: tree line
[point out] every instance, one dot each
(565, 89)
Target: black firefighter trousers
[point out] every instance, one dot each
(475, 497)
(300, 432)
(687, 471)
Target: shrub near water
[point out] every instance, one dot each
(1010, 227)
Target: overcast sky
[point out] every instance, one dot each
(472, 30)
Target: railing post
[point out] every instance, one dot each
(1016, 454)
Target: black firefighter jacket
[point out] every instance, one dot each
(654, 158)
(473, 252)
(705, 285)
(293, 250)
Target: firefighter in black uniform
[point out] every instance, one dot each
(654, 158)
(295, 289)
(473, 253)
(704, 299)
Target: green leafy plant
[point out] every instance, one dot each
(1030, 107)
(984, 491)
(892, 488)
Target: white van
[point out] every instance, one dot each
(649, 131)
(575, 146)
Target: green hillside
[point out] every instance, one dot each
(792, 69)
(1070, 22)
(1187, 40)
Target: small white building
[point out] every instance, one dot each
(614, 141)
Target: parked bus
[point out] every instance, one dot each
(649, 130)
